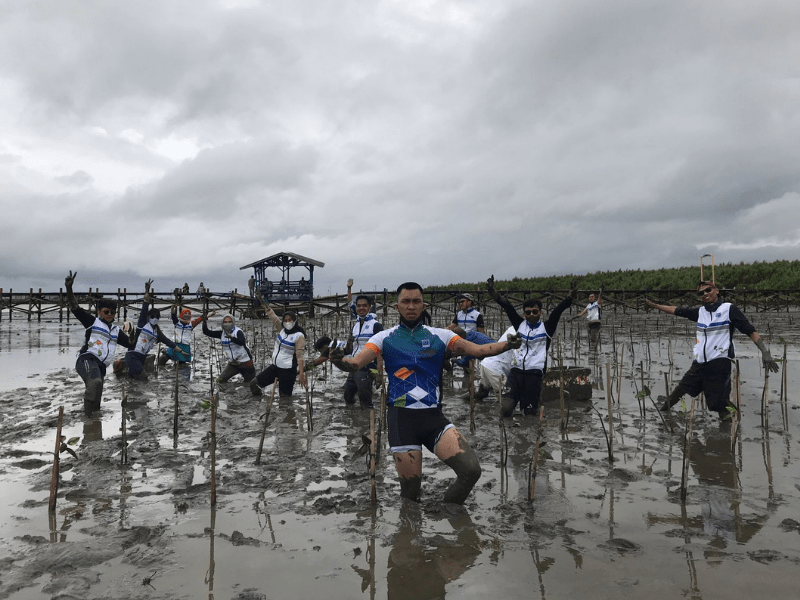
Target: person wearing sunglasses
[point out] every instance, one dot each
(529, 363)
(100, 343)
(711, 368)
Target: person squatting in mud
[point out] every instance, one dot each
(182, 336)
(234, 347)
(147, 334)
(530, 360)
(711, 368)
(287, 355)
(100, 344)
(413, 354)
(324, 345)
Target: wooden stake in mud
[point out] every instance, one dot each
(666, 385)
(266, 422)
(619, 371)
(687, 436)
(214, 402)
(309, 417)
(472, 395)
(765, 400)
(175, 416)
(736, 418)
(561, 388)
(123, 456)
(373, 492)
(784, 392)
(533, 466)
(54, 477)
(610, 415)
(503, 436)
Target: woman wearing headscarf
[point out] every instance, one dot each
(184, 325)
(234, 347)
(287, 355)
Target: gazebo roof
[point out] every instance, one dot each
(282, 259)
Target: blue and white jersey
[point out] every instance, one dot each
(532, 354)
(593, 312)
(413, 361)
(183, 333)
(363, 329)
(236, 353)
(469, 320)
(148, 336)
(285, 343)
(102, 341)
(714, 335)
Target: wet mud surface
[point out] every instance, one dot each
(300, 523)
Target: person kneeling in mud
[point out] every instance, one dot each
(324, 345)
(413, 354)
(97, 352)
(287, 356)
(147, 334)
(184, 325)
(234, 347)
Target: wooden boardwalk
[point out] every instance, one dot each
(37, 304)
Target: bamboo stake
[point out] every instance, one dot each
(123, 456)
(687, 436)
(561, 388)
(266, 422)
(533, 466)
(784, 392)
(472, 395)
(373, 492)
(214, 402)
(175, 416)
(503, 435)
(610, 415)
(56, 460)
(619, 371)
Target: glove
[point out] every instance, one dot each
(514, 341)
(336, 354)
(490, 287)
(766, 358)
(70, 279)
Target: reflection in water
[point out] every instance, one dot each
(92, 430)
(421, 567)
(211, 565)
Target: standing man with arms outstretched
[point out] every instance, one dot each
(100, 344)
(413, 354)
(593, 311)
(711, 368)
(530, 360)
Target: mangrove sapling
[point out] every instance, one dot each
(610, 415)
(784, 390)
(175, 417)
(533, 466)
(561, 388)
(503, 434)
(373, 492)
(619, 370)
(123, 455)
(214, 403)
(56, 460)
(265, 416)
(603, 427)
(472, 395)
(687, 435)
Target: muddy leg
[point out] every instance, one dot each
(409, 469)
(93, 395)
(674, 397)
(454, 450)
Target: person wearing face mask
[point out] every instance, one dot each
(234, 347)
(711, 368)
(287, 355)
(184, 325)
(529, 363)
(100, 344)
(147, 334)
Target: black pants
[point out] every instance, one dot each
(247, 371)
(359, 383)
(92, 371)
(285, 377)
(713, 378)
(526, 388)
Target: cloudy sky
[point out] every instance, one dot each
(438, 141)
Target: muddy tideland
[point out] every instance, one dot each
(300, 523)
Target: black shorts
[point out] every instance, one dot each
(713, 378)
(412, 428)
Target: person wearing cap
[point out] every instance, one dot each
(711, 368)
(147, 334)
(529, 364)
(100, 343)
(234, 347)
(287, 355)
(467, 317)
(182, 336)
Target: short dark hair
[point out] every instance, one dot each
(107, 303)
(532, 302)
(409, 285)
(322, 342)
(364, 297)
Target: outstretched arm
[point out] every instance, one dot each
(270, 313)
(462, 346)
(670, 310)
(766, 358)
(352, 364)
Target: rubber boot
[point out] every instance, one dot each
(674, 398)
(508, 407)
(163, 359)
(410, 488)
(482, 393)
(92, 395)
(468, 471)
(254, 389)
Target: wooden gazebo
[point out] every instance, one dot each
(281, 288)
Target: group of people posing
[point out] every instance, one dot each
(413, 354)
